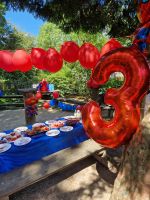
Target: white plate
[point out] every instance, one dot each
(68, 117)
(50, 122)
(21, 129)
(66, 128)
(53, 132)
(4, 147)
(22, 141)
(2, 135)
(38, 124)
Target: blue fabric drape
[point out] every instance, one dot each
(40, 146)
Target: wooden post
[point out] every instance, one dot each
(28, 92)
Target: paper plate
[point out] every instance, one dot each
(38, 124)
(2, 134)
(22, 141)
(53, 132)
(4, 147)
(21, 129)
(50, 122)
(66, 128)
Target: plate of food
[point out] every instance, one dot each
(21, 129)
(53, 132)
(2, 135)
(36, 130)
(57, 124)
(66, 128)
(11, 137)
(50, 122)
(4, 147)
(72, 121)
(38, 125)
(22, 141)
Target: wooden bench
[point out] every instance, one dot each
(27, 175)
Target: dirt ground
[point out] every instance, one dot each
(86, 180)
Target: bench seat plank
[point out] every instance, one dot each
(22, 177)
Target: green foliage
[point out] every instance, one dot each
(112, 83)
(72, 78)
(118, 17)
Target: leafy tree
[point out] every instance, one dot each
(117, 16)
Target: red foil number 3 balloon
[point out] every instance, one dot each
(126, 100)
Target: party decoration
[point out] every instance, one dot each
(37, 57)
(31, 101)
(6, 61)
(142, 39)
(88, 55)
(143, 11)
(69, 51)
(46, 105)
(55, 94)
(126, 100)
(22, 61)
(110, 45)
(38, 95)
(43, 86)
(53, 61)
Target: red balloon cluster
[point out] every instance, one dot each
(31, 101)
(18, 60)
(88, 56)
(55, 94)
(69, 51)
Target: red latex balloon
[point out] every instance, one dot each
(22, 61)
(88, 56)
(38, 95)
(110, 45)
(69, 51)
(55, 94)
(126, 100)
(6, 61)
(46, 105)
(53, 61)
(37, 57)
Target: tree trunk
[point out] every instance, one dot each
(133, 180)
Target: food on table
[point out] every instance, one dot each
(11, 137)
(37, 129)
(57, 124)
(72, 121)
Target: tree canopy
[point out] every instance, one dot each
(117, 16)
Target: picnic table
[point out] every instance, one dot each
(22, 166)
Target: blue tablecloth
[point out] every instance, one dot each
(39, 147)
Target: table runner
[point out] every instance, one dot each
(39, 147)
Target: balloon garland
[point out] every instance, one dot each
(113, 58)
